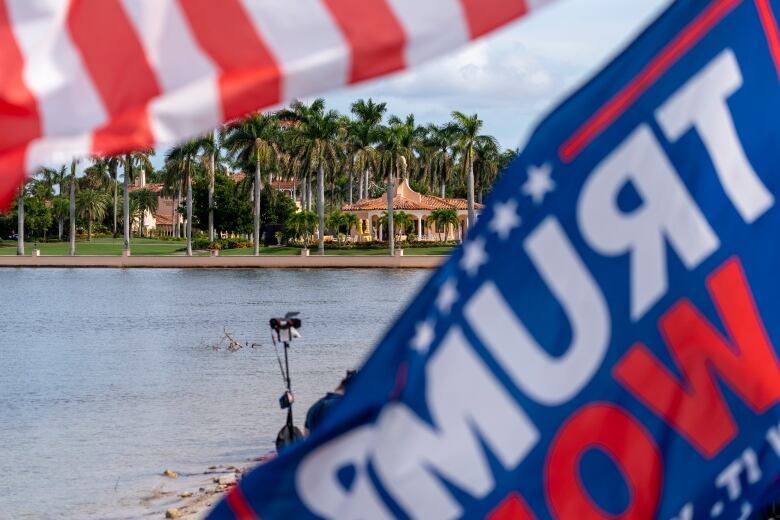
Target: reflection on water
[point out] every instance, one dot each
(106, 376)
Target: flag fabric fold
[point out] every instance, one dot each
(604, 344)
(99, 77)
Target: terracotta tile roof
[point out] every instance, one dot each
(426, 203)
(237, 176)
(156, 188)
(279, 185)
(284, 185)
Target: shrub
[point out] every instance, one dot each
(200, 243)
(383, 245)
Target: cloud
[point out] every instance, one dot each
(515, 76)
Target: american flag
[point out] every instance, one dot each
(100, 77)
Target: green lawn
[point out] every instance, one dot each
(99, 247)
(153, 247)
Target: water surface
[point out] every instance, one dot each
(108, 376)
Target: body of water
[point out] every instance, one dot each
(107, 377)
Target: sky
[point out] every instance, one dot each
(514, 76)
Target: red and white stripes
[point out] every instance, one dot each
(85, 77)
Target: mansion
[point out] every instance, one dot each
(370, 211)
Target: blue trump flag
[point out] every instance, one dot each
(604, 343)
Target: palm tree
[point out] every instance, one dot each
(104, 172)
(393, 153)
(364, 133)
(59, 204)
(315, 139)
(182, 158)
(403, 222)
(60, 209)
(253, 140)
(146, 201)
(96, 176)
(409, 136)
(209, 148)
(487, 165)
(335, 221)
(350, 220)
(72, 207)
(20, 222)
(140, 159)
(113, 172)
(92, 205)
(444, 217)
(468, 136)
(303, 224)
(338, 219)
(442, 139)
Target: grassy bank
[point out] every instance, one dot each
(154, 247)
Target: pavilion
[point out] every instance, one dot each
(369, 212)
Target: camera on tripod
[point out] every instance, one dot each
(289, 325)
(279, 324)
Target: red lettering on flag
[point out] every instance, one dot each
(612, 430)
(512, 507)
(695, 407)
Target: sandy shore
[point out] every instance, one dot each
(192, 496)
(225, 262)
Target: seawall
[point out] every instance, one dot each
(224, 262)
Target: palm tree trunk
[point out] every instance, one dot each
(20, 224)
(176, 204)
(89, 229)
(126, 202)
(189, 211)
(60, 228)
(332, 189)
(211, 197)
(116, 189)
(360, 186)
(351, 182)
(256, 249)
(390, 234)
(310, 192)
(302, 192)
(174, 231)
(470, 187)
(72, 251)
(321, 207)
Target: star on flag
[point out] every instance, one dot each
(539, 183)
(474, 256)
(505, 219)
